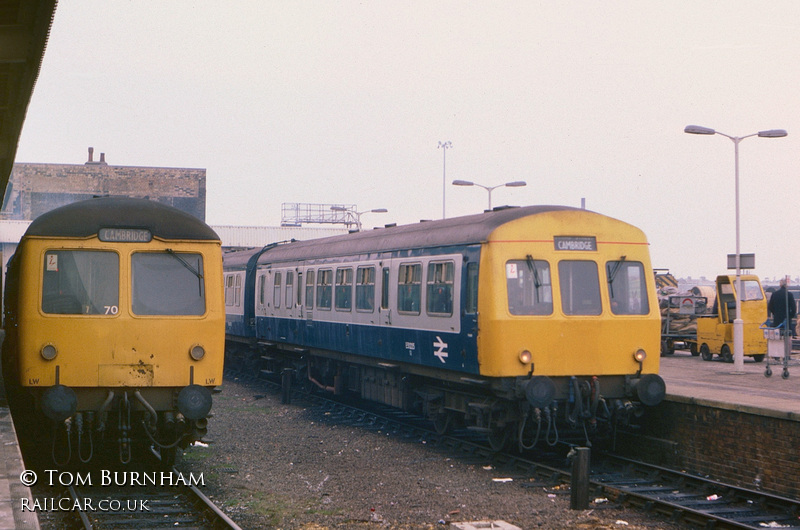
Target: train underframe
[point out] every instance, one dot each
(85, 423)
(521, 411)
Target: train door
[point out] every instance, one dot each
(294, 287)
(384, 293)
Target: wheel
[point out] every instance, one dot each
(758, 358)
(785, 373)
(725, 353)
(693, 349)
(768, 372)
(705, 353)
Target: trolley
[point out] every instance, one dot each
(779, 349)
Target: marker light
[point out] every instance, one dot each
(639, 356)
(49, 352)
(197, 352)
(525, 357)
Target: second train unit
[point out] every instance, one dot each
(506, 322)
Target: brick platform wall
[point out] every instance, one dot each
(741, 448)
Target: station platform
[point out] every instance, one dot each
(715, 383)
(12, 491)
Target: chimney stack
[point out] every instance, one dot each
(91, 155)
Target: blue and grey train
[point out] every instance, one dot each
(505, 322)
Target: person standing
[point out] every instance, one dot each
(781, 301)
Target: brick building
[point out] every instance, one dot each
(34, 189)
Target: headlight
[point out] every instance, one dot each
(49, 352)
(197, 352)
(525, 357)
(640, 355)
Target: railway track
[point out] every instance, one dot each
(127, 499)
(682, 498)
(151, 508)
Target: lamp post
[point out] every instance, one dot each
(356, 215)
(738, 324)
(444, 146)
(515, 184)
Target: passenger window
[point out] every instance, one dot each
(237, 292)
(344, 289)
(324, 286)
(169, 283)
(409, 287)
(439, 300)
(310, 289)
(365, 289)
(471, 303)
(229, 290)
(299, 288)
(580, 287)
(385, 288)
(529, 288)
(78, 282)
(289, 289)
(262, 287)
(276, 291)
(627, 289)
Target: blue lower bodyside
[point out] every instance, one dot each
(450, 351)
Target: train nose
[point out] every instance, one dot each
(651, 389)
(59, 403)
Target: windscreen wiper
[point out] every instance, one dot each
(189, 267)
(536, 282)
(613, 274)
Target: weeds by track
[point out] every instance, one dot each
(685, 499)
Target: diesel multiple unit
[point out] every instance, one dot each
(511, 322)
(115, 326)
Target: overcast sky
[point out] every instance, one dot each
(346, 102)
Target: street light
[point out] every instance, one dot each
(738, 324)
(356, 215)
(444, 146)
(515, 184)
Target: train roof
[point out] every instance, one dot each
(455, 231)
(86, 218)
